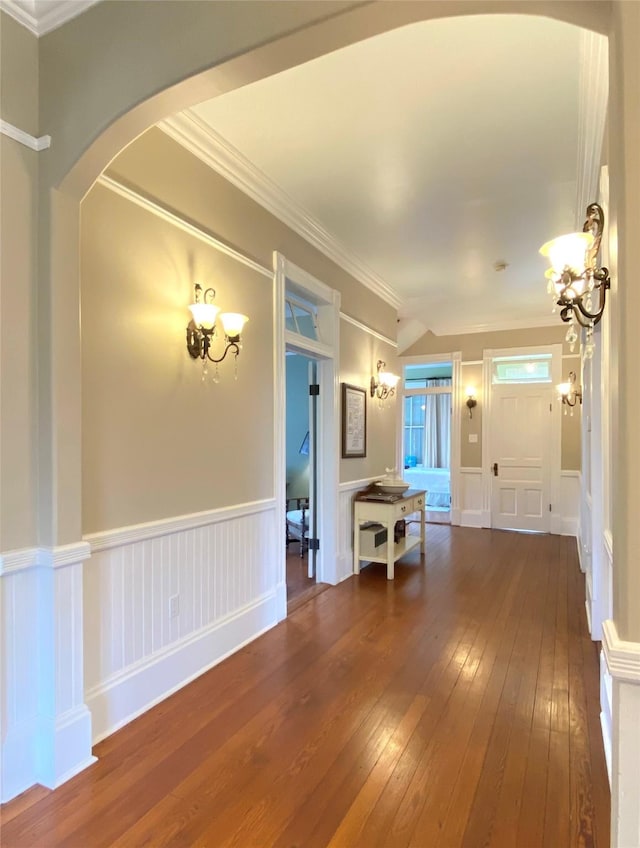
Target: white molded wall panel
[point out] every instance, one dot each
(161, 610)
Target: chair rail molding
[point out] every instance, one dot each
(25, 138)
(620, 720)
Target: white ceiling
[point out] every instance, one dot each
(430, 153)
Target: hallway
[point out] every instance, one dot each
(455, 706)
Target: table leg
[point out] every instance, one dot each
(391, 551)
(356, 546)
(423, 532)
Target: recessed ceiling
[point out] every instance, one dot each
(431, 153)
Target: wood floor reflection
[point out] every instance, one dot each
(454, 706)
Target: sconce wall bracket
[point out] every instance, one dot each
(471, 403)
(384, 385)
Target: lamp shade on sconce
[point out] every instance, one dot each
(204, 314)
(567, 252)
(202, 330)
(233, 323)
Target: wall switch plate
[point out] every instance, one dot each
(174, 606)
(473, 438)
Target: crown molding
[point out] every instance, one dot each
(211, 148)
(30, 13)
(25, 138)
(593, 92)
(445, 329)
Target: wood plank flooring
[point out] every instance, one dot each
(454, 706)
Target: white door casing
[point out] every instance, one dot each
(521, 433)
(290, 278)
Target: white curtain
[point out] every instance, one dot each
(437, 424)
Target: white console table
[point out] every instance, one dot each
(387, 513)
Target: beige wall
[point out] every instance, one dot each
(238, 220)
(471, 453)
(156, 442)
(472, 347)
(359, 353)
(18, 282)
(19, 77)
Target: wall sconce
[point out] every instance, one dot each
(471, 399)
(574, 277)
(569, 393)
(202, 328)
(384, 386)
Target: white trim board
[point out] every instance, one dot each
(622, 657)
(12, 562)
(170, 217)
(107, 539)
(367, 329)
(25, 138)
(192, 133)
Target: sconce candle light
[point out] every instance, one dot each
(471, 400)
(569, 392)
(574, 277)
(202, 328)
(384, 386)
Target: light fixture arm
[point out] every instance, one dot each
(571, 301)
(570, 393)
(383, 385)
(202, 327)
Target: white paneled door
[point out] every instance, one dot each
(521, 420)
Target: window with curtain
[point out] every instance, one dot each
(427, 426)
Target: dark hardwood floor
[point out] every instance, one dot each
(454, 706)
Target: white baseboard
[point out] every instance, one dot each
(344, 567)
(125, 696)
(19, 758)
(606, 691)
(471, 518)
(569, 526)
(281, 601)
(64, 746)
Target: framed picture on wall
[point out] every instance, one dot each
(354, 421)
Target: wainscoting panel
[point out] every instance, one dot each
(346, 491)
(569, 508)
(19, 681)
(168, 603)
(471, 512)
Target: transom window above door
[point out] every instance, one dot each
(521, 369)
(301, 317)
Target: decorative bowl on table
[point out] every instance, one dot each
(391, 487)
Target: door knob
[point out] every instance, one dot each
(495, 469)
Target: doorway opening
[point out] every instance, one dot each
(301, 474)
(426, 431)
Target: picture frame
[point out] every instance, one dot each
(354, 421)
